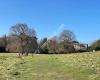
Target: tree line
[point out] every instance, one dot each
(23, 40)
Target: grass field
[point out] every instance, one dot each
(50, 67)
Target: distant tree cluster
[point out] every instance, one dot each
(95, 45)
(23, 40)
(3, 43)
(63, 43)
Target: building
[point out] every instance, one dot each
(80, 47)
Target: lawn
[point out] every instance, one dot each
(80, 66)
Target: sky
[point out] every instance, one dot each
(50, 17)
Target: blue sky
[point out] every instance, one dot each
(48, 17)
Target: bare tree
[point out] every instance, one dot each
(43, 45)
(67, 35)
(53, 45)
(66, 39)
(25, 37)
(13, 44)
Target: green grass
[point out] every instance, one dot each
(85, 66)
